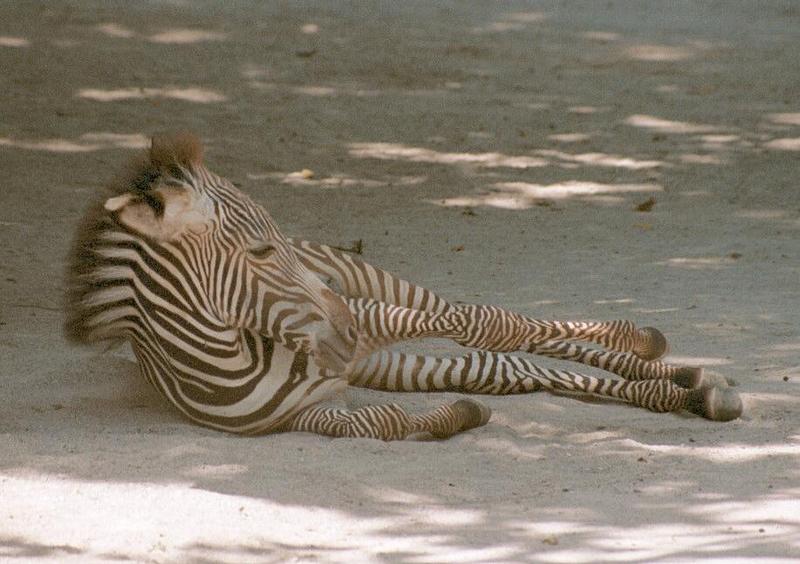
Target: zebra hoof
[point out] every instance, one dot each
(651, 344)
(474, 413)
(716, 404)
(697, 378)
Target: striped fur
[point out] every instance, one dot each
(232, 323)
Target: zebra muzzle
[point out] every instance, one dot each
(333, 343)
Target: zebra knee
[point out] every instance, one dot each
(650, 344)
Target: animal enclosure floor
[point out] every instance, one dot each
(581, 160)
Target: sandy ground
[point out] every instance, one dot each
(494, 152)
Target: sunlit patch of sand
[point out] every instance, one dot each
(667, 126)
(9, 41)
(315, 90)
(395, 151)
(180, 36)
(615, 301)
(570, 137)
(700, 159)
(115, 30)
(718, 142)
(785, 144)
(586, 110)
(785, 118)
(215, 471)
(699, 360)
(658, 53)
(699, 263)
(85, 143)
(513, 22)
(763, 214)
(524, 195)
(601, 159)
(190, 94)
(571, 188)
(655, 310)
(601, 35)
(335, 180)
(537, 106)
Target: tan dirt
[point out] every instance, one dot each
(494, 152)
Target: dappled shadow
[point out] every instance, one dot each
(14, 548)
(700, 145)
(673, 507)
(532, 486)
(623, 168)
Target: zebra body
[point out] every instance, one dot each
(231, 322)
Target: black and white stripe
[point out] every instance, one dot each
(232, 324)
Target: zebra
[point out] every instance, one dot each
(247, 331)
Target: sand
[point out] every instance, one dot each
(493, 152)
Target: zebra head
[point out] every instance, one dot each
(231, 254)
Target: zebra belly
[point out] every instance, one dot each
(272, 385)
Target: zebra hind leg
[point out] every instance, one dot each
(629, 365)
(391, 422)
(716, 403)
(483, 372)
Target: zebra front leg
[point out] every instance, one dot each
(478, 326)
(494, 373)
(391, 422)
(496, 329)
(380, 324)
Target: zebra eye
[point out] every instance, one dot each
(262, 251)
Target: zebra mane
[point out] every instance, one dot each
(168, 154)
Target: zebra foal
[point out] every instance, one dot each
(231, 322)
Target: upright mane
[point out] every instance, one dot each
(167, 154)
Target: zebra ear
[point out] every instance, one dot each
(118, 202)
(162, 214)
